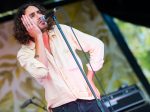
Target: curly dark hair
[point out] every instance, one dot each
(20, 32)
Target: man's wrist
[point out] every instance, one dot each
(90, 75)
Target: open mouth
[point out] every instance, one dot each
(41, 22)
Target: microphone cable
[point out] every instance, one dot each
(87, 60)
(99, 82)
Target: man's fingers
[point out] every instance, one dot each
(28, 23)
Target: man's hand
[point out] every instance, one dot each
(33, 30)
(90, 76)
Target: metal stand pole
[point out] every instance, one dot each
(84, 75)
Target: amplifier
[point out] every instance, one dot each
(123, 99)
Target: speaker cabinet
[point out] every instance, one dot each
(145, 107)
(128, 99)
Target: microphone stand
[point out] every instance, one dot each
(84, 75)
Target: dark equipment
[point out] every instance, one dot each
(127, 99)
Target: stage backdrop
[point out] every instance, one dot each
(16, 85)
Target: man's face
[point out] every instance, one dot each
(35, 14)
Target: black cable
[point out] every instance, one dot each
(69, 24)
(99, 82)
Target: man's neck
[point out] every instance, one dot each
(46, 40)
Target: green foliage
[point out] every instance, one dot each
(138, 41)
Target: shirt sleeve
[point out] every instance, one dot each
(90, 44)
(30, 64)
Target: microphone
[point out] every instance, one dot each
(49, 14)
(26, 103)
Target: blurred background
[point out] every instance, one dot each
(123, 26)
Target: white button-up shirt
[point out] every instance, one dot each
(62, 79)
